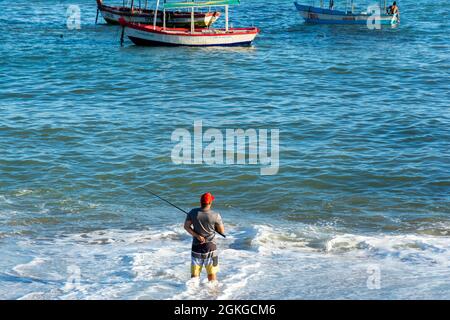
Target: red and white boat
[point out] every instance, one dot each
(149, 35)
(154, 35)
(112, 14)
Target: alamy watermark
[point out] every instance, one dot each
(374, 278)
(230, 146)
(374, 20)
(73, 278)
(73, 15)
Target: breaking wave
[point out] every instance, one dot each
(154, 264)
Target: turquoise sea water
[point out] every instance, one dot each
(364, 175)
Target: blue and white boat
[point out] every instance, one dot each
(374, 15)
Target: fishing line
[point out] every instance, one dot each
(173, 205)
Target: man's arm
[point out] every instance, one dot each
(220, 228)
(219, 224)
(188, 228)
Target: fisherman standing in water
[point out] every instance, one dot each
(202, 224)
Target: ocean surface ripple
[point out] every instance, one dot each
(364, 157)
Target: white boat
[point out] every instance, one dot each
(138, 14)
(154, 35)
(330, 15)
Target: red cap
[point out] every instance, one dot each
(207, 198)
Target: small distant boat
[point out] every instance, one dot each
(320, 15)
(154, 35)
(131, 13)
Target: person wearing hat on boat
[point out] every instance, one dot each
(393, 9)
(202, 223)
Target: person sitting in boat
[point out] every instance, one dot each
(393, 9)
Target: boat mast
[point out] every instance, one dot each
(164, 15)
(192, 20)
(226, 18)
(156, 13)
(132, 4)
(164, 19)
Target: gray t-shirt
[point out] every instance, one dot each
(204, 223)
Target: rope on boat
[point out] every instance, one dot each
(122, 35)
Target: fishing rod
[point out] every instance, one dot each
(170, 203)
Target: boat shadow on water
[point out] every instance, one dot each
(352, 36)
(176, 50)
(338, 29)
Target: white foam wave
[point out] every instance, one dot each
(4, 199)
(256, 262)
(269, 240)
(406, 248)
(23, 192)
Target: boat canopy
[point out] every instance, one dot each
(198, 4)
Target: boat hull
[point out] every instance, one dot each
(154, 43)
(315, 15)
(156, 36)
(173, 19)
